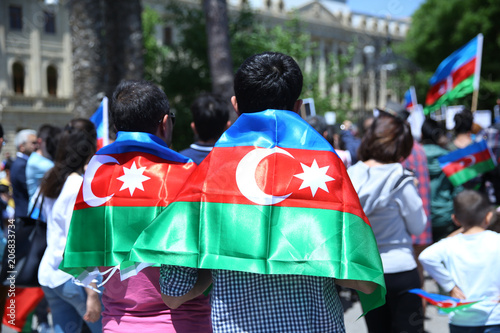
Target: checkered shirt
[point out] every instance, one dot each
(417, 162)
(248, 302)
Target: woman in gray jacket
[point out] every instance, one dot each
(391, 202)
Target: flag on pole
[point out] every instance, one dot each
(457, 76)
(126, 185)
(272, 197)
(101, 122)
(410, 99)
(446, 304)
(467, 163)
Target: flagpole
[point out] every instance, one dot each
(477, 72)
(105, 122)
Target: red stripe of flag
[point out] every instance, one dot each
(275, 175)
(440, 88)
(155, 193)
(458, 165)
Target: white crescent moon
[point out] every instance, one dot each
(245, 176)
(469, 157)
(95, 163)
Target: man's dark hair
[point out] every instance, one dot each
(50, 135)
(432, 132)
(318, 123)
(1, 131)
(471, 207)
(138, 106)
(210, 115)
(77, 144)
(463, 122)
(267, 81)
(387, 140)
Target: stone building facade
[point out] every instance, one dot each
(36, 84)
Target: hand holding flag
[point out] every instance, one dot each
(446, 304)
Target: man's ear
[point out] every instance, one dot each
(162, 128)
(454, 219)
(487, 220)
(297, 105)
(193, 127)
(235, 105)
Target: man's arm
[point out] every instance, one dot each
(181, 284)
(366, 287)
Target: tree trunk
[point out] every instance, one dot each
(125, 50)
(86, 23)
(219, 52)
(107, 47)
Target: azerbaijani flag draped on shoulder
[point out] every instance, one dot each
(272, 198)
(456, 76)
(126, 185)
(101, 121)
(464, 164)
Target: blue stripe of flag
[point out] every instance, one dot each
(456, 60)
(97, 119)
(127, 142)
(270, 128)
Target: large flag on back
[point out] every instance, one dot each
(445, 303)
(467, 163)
(126, 185)
(101, 122)
(410, 98)
(457, 76)
(272, 198)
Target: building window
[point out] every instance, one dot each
(16, 17)
(52, 80)
(18, 76)
(167, 36)
(50, 22)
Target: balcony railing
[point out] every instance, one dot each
(21, 103)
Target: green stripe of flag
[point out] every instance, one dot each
(462, 89)
(104, 235)
(471, 172)
(266, 240)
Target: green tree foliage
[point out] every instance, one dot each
(183, 70)
(440, 27)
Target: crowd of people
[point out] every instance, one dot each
(382, 177)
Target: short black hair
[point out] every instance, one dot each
(50, 135)
(210, 115)
(432, 132)
(471, 207)
(463, 122)
(268, 80)
(318, 123)
(138, 106)
(1, 131)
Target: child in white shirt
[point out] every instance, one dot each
(468, 264)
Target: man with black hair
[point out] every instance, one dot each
(40, 161)
(210, 119)
(125, 185)
(254, 222)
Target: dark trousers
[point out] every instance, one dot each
(403, 311)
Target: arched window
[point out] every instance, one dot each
(18, 77)
(52, 80)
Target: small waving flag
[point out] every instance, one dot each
(410, 98)
(272, 197)
(126, 185)
(467, 163)
(101, 121)
(446, 304)
(456, 76)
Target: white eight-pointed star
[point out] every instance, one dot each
(133, 178)
(314, 177)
